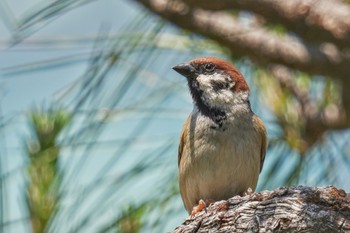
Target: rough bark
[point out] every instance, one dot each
(287, 209)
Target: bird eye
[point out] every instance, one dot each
(209, 67)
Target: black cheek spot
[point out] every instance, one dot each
(218, 85)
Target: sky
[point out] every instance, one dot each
(23, 89)
(36, 71)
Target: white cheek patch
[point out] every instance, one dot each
(205, 81)
(216, 97)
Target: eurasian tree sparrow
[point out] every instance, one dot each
(223, 143)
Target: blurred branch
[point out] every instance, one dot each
(287, 209)
(316, 120)
(257, 43)
(286, 79)
(314, 20)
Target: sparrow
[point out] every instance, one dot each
(223, 143)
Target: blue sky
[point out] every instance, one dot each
(28, 80)
(22, 90)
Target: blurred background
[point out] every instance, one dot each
(91, 111)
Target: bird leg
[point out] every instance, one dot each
(248, 192)
(201, 205)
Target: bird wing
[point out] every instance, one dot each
(259, 125)
(183, 139)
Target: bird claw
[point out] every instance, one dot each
(198, 208)
(248, 192)
(201, 205)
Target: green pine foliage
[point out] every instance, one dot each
(43, 170)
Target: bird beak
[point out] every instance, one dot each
(185, 69)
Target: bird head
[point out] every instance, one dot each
(215, 84)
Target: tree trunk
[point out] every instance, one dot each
(287, 209)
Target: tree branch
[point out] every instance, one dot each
(258, 44)
(316, 121)
(285, 77)
(315, 20)
(287, 209)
